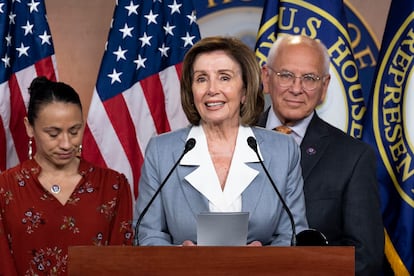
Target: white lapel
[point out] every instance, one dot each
(205, 179)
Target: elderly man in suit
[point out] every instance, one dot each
(340, 185)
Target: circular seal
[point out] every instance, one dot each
(392, 109)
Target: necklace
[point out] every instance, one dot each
(55, 189)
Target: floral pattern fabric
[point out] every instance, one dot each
(36, 229)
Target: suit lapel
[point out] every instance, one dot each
(313, 145)
(195, 200)
(251, 195)
(202, 178)
(263, 118)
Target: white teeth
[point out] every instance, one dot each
(214, 104)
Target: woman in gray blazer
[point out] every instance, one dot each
(222, 99)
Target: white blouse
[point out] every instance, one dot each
(205, 178)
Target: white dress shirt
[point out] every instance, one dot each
(205, 178)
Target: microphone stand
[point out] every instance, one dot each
(251, 141)
(189, 145)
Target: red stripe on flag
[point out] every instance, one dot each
(154, 95)
(18, 112)
(2, 146)
(179, 69)
(45, 67)
(123, 125)
(91, 148)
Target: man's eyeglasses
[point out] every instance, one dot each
(287, 79)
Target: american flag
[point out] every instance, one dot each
(26, 51)
(137, 94)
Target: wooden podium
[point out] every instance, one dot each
(211, 260)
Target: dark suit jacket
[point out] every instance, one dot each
(341, 192)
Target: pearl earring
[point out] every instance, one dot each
(30, 149)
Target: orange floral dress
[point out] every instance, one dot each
(36, 229)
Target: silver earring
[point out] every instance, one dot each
(30, 149)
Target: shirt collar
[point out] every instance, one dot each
(298, 129)
(199, 152)
(204, 178)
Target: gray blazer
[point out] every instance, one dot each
(171, 219)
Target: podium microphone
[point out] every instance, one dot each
(251, 141)
(189, 145)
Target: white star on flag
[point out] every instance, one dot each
(137, 94)
(27, 52)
